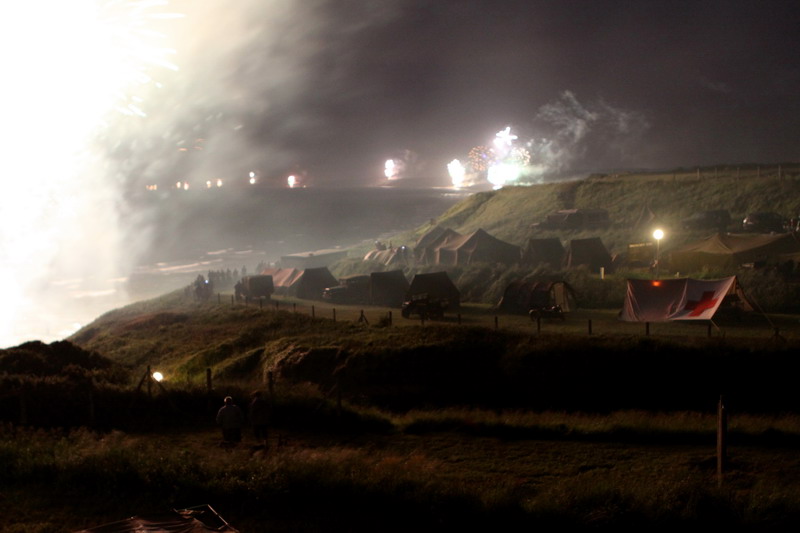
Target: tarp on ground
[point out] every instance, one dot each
(729, 251)
(548, 251)
(522, 296)
(590, 252)
(477, 247)
(664, 300)
(435, 285)
(425, 249)
(307, 284)
(388, 288)
(201, 519)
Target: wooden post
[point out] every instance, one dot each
(459, 318)
(294, 307)
(334, 314)
(312, 312)
(647, 328)
(277, 304)
(590, 326)
(496, 323)
(390, 318)
(233, 299)
(722, 439)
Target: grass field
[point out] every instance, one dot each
(437, 470)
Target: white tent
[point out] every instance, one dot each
(664, 300)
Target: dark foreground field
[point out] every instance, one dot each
(442, 471)
(378, 427)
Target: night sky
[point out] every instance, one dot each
(334, 88)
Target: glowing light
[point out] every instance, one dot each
(656, 283)
(71, 69)
(502, 173)
(504, 138)
(658, 234)
(252, 178)
(292, 181)
(208, 184)
(219, 183)
(457, 172)
(391, 169)
(158, 376)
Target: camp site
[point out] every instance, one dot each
(473, 369)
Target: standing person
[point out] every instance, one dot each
(231, 419)
(259, 418)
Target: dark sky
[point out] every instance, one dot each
(336, 87)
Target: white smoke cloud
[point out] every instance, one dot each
(583, 136)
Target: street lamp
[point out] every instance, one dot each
(658, 235)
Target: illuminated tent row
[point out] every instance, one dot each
(726, 251)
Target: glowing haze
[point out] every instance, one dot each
(71, 68)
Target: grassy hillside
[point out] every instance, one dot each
(672, 196)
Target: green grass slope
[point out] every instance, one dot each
(509, 213)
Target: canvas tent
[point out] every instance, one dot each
(307, 284)
(522, 296)
(476, 247)
(665, 300)
(388, 288)
(548, 251)
(729, 251)
(425, 249)
(590, 252)
(435, 285)
(400, 256)
(283, 279)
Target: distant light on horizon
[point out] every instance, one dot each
(292, 181)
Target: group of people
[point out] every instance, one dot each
(231, 420)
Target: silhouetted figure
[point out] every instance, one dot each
(231, 419)
(259, 417)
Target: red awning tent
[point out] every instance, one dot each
(665, 300)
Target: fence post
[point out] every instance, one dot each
(312, 312)
(334, 314)
(722, 439)
(390, 318)
(647, 328)
(233, 299)
(277, 305)
(590, 326)
(496, 323)
(459, 319)
(294, 307)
